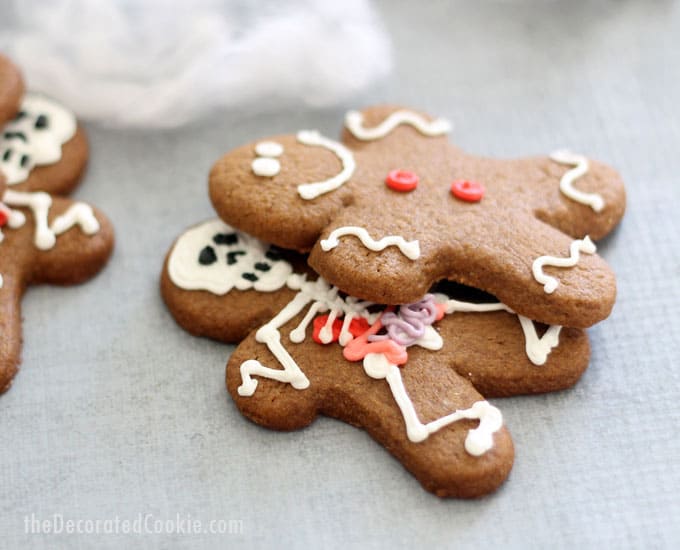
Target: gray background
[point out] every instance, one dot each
(117, 411)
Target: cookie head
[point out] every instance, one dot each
(42, 147)
(394, 207)
(214, 257)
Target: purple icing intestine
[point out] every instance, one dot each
(408, 325)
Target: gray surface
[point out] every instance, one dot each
(125, 413)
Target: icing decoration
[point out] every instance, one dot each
(312, 190)
(409, 325)
(322, 297)
(265, 164)
(360, 347)
(550, 283)
(39, 203)
(478, 441)
(410, 249)
(581, 166)
(266, 167)
(354, 122)
(469, 191)
(327, 330)
(402, 180)
(213, 257)
(380, 360)
(34, 137)
(4, 215)
(269, 149)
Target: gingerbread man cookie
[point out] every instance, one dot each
(413, 376)
(44, 238)
(393, 208)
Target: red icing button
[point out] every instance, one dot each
(402, 180)
(3, 217)
(469, 191)
(357, 326)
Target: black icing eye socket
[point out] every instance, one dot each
(225, 238)
(250, 277)
(232, 257)
(15, 135)
(273, 254)
(262, 266)
(20, 115)
(41, 123)
(207, 256)
(25, 161)
(7, 155)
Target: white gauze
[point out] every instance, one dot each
(155, 64)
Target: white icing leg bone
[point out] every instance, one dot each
(478, 441)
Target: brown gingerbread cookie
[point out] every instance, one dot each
(43, 147)
(11, 89)
(43, 239)
(393, 208)
(425, 365)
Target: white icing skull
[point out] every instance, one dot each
(213, 256)
(34, 137)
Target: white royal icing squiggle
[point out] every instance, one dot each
(220, 277)
(39, 203)
(354, 122)
(550, 283)
(25, 144)
(410, 249)
(581, 166)
(537, 349)
(312, 190)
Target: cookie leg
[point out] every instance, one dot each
(431, 419)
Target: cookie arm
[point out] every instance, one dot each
(498, 254)
(569, 191)
(10, 324)
(79, 252)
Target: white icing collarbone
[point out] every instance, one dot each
(549, 283)
(312, 190)
(354, 122)
(410, 249)
(35, 137)
(581, 167)
(39, 203)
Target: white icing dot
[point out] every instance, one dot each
(269, 149)
(266, 167)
